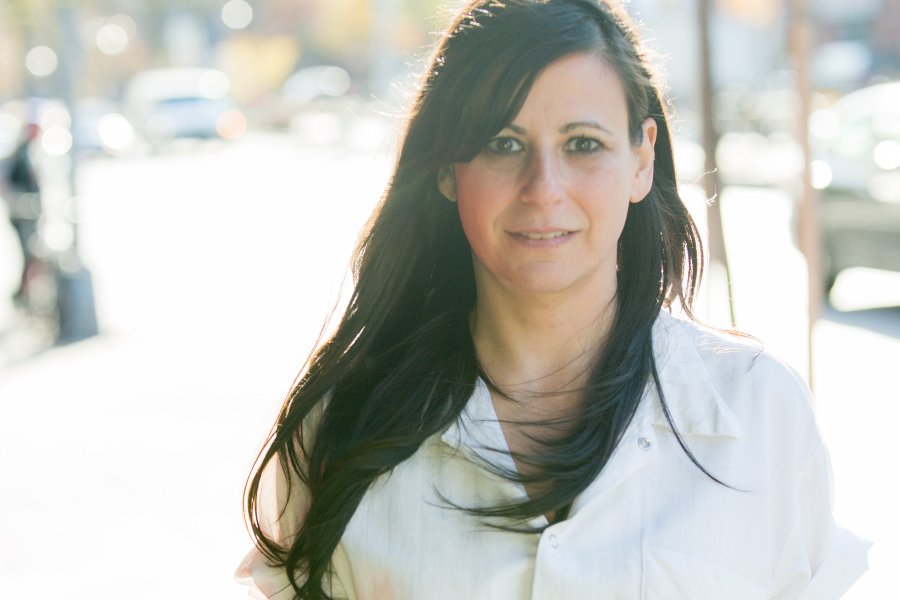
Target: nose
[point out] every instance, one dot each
(543, 181)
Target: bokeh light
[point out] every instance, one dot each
(237, 14)
(59, 236)
(887, 155)
(112, 39)
(56, 141)
(821, 174)
(116, 133)
(41, 61)
(231, 124)
(55, 114)
(112, 36)
(126, 23)
(334, 81)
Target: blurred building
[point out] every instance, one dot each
(99, 44)
(113, 39)
(856, 41)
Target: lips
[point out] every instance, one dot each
(542, 235)
(533, 235)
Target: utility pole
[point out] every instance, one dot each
(809, 234)
(77, 313)
(717, 256)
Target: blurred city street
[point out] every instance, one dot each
(190, 181)
(125, 455)
(214, 266)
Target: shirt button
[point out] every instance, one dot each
(644, 443)
(554, 541)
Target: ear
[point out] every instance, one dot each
(447, 183)
(645, 153)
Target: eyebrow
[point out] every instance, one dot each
(567, 127)
(589, 124)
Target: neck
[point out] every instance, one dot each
(541, 343)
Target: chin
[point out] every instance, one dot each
(552, 282)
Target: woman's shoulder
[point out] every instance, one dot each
(723, 356)
(735, 377)
(748, 417)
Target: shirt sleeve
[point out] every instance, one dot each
(263, 581)
(280, 510)
(820, 560)
(283, 504)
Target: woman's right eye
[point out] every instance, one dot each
(504, 145)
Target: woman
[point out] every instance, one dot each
(20, 187)
(507, 409)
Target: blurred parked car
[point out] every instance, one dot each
(857, 170)
(315, 82)
(164, 104)
(322, 91)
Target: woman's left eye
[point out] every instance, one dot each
(583, 145)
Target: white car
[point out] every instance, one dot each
(164, 104)
(857, 170)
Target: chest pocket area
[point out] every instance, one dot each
(672, 575)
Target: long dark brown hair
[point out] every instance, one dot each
(401, 365)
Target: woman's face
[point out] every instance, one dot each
(545, 201)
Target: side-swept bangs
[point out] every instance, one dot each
(483, 72)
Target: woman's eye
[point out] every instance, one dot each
(583, 145)
(504, 145)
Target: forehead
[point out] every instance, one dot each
(577, 85)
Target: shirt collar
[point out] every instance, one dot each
(478, 430)
(694, 402)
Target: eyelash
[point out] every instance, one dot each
(501, 145)
(495, 145)
(576, 145)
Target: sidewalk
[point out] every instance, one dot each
(768, 273)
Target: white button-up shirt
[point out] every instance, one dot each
(651, 526)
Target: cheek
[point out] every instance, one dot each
(477, 198)
(475, 221)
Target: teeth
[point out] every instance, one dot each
(543, 236)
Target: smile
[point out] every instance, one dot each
(550, 235)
